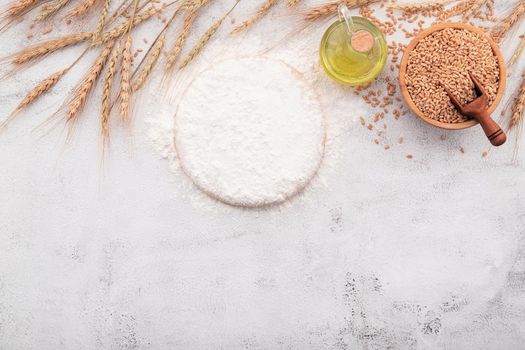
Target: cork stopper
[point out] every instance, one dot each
(362, 41)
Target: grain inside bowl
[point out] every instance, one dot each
(446, 57)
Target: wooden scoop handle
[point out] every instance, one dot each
(493, 131)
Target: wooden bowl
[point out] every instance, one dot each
(403, 69)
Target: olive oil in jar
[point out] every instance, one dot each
(353, 50)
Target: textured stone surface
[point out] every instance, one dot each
(427, 253)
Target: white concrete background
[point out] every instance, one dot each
(427, 253)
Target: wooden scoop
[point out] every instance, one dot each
(478, 110)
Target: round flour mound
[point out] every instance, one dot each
(250, 132)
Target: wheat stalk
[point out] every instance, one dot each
(51, 9)
(151, 59)
(19, 7)
(101, 21)
(503, 28)
(329, 9)
(40, 89)
(82, 91)
(82, 8)
(32, 52)
(205, 38)
(106, 92)
(475, 6)
(263, 11)
(175, 52)
(517, 52)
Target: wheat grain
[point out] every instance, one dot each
(50, 9)
(19, 7)
(82, 91)
(82, 8)
(106, 92)
(36, 51)
(503, 28)
(331, 8)
(263, 11)
(101, 21)
(151, 59)
(175, 52)
(40, 89)
(517, 52)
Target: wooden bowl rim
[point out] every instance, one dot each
(404, 63)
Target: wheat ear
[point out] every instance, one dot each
(79, 97)
(181, 39)
(125, 72)
(475, 6)
(261, 12)
(329, 9)
(416, 6)
(121, 29)
(40, 89)
(32, 52)
(82, 8)
(151, 59)
(19, 7)
(203, 40)
(517, 52)
(518, 109)
(292, 3)
(125, 78)
(101, 21)
(51, 9)
(106, 93)
(503, 28)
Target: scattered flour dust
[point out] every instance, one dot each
(250, 132)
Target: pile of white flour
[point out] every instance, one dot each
(248, 132)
